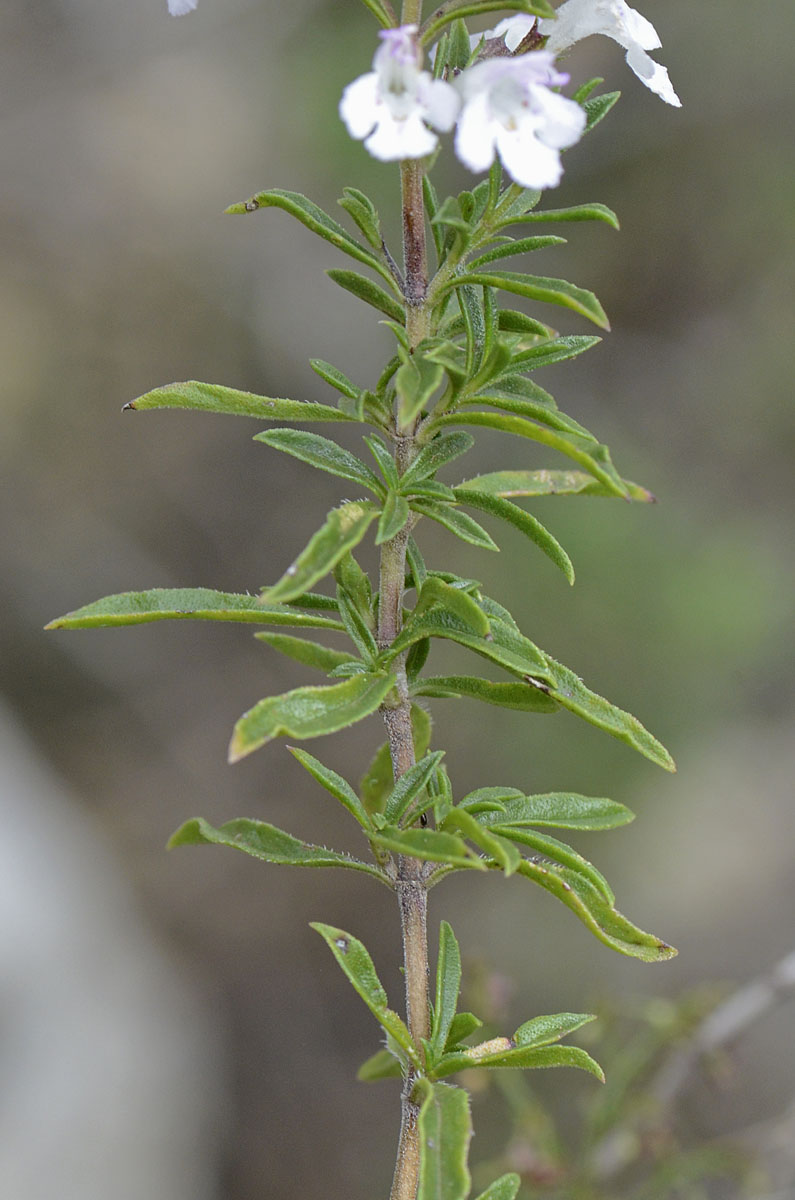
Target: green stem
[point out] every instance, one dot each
(412, 891)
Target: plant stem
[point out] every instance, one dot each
(411, 884)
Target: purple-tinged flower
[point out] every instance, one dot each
(510, 110)
(577, 19)
(392, 105)
(178, 8)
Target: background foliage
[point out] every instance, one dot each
(125, 136)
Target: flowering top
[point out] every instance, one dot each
(178, 8)
(577, 19)
(508, 108)
(390, 106)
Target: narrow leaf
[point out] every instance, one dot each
(435, 593)
(184, 604)
(541, 1031)
(445, 1130)
(457, 522)
(598, 108)
(520, 246)
(430, 845)
(439, 451)
(605, 922)
(524, 522)
(212, 397)
(578, 212)
(526, 1057)
(267, 843)
(595, 459)
(551, 483)
(410, 785)
(448, 985)
(504, 1188)
(549, 847)
(394, 516)
(322, 453)
(309, 712)
(378, 780)
(335, 378)
(339, 788)
(497, 848)
(315, 219)
(561, 810)
(370, 292)
(357, 965)
(569, 690)
(504, 646)
(381, 1065)
(542, 288)
(344, 529)
(520, 696)
(553, 351)
(311, 654)
(361, 209)
(463, 1024)
(415, 382)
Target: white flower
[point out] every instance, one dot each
(509, 109)
(513, 30)
(178, 8)
(390, 105)
(578, 19)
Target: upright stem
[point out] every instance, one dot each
(411, 888)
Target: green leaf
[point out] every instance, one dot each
(267, 843)
(430, 845)
(595, 459)
(605, 922)
(384, 459)
(511, 321)
(435, 593)
(569, 690)
(212, 397)
(525, 1057)
(357, 965)
(524, 398)
(361, 209)
(316, 220)
(520, 246)
(371, 293)
(410, 785)
(439, 451)
(541, 1031)
(394, 516)
(344, 529)
(541, 288)
(524, 522)
(578, 212)
(504, 646)
(339, 788)
(356, 584)
(378, 781)
(309, 712)
(445, 1130)
(463, 1024)
(183, 604)
(381, 1065)
(561, 810)
(520, 696)
(498, 848)
(449, 212)
(335, 378)
(448, 985)
(416, 564)
(357, 626)
(311, 654)
(549, 847)
(553, 351)
(504, 1188)
(551, 483)
(416, 381)
(598, 108)
(457, 522)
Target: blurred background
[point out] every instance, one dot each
(169, 1026)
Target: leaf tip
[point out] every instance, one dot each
(129, 406)
(242, 206)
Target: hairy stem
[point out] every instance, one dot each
(412, 891)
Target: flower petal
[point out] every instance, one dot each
(474, 139)
(513, 30)
(359, 106)
(563, 119)
(653, 74)
(392, 140)
(440, 101)
(527, 160)
(178, 8)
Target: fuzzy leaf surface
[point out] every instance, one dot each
(560, 810)
(520, 696)
(338, 787)
(309, 712)
(439, 451)
(541, 1031)
(505, 646)
(378, 780)
(267, 843)
(448, 985)
(358, 967)
(322, 453)
(521, 520)
(429, 844)
(185, 604)
(541, 288)
(344, 529)
(551, 483)
(213, 397)
(504, 1188)
(369, 292)
(569, 690)
(445, 1130)
(311, 654)
(525, 1057)
(456, 522)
